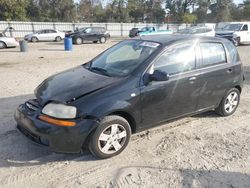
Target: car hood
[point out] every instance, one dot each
(74, 33)
(225, 32)
(71, 84)
(29, 35)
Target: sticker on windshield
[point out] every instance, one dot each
(150, 44)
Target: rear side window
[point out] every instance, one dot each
(232, 51)
(212, 53)
(96, 30)
(178, 59)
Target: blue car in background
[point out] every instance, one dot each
(147, 31)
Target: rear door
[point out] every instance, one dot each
(217, 74)
(164, 100)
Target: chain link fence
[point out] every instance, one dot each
(116, 29)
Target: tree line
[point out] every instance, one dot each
(144, 11)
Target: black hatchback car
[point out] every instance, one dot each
(94, 34)
(135, 85)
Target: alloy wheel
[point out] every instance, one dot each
(78, 41)
(103, 40)
(112, 139)
(231, 102)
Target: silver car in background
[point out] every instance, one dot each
(200, 31)
(5, 41)
(45, 35)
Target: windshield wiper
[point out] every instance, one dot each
(101, 70)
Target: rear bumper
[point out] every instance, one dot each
(57, 138)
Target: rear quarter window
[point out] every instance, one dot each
(232, 52)
(212, 53)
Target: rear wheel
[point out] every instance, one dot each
(229, 103)
(58, 39)
(95, 42)
(79, 40)
(102, 40)
(2, 45)
(110, 138)
(34, 39)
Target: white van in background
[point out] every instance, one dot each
(237, 32)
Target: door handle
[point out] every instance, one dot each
(229, 70)
(192, 78)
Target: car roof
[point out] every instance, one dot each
(169, 39)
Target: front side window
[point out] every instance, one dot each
(123, 58)
(212, 53)
(41, 31)
(88, 30)
(245, 28)
(52, 31)
(178, 59)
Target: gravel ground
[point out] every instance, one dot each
(200, 151)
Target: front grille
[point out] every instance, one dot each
(32, 105)
(223, 35)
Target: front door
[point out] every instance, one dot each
(88, 34)
(164, 100)
(42, 35)
(245, 34)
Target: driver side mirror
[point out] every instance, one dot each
(157, 75)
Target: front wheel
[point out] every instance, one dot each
(34, 39)
(229, 103)
(79, 40)
(110, 138)
(102, 40)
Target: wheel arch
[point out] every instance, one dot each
(124, 114)
(239, 88)
(128, 117)
(4, 43)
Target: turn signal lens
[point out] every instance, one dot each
(56, 121)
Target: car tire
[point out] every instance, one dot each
(2, 45)
(237, 41)
(79, 41)
(95, 42)
(58, 39)
(34, 39)
(229, 103)
(110, 138)
(102, 40)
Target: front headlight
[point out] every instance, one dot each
(235, 36)
(61, 111)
